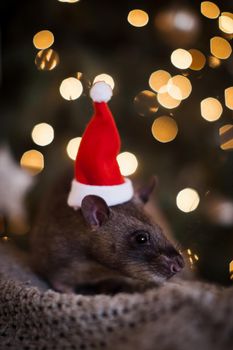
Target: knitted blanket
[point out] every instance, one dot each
(178, 315)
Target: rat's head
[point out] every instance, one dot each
(125, 239)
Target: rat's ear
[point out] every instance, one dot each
(95, 210)
(144, 192)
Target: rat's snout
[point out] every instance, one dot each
(176, 264)
(172, 263)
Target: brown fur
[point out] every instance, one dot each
(68, 252)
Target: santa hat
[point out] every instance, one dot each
(96, 169)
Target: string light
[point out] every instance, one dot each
(43, 134)
(211, 109)
(167, 100)
(225, 22)
(179, 87)
(226, 137)
(32, 161)
(220, 47)
(198, 59)
(43, 39)
(187, 200)
(228, 94)
(164, 129)
(71, 88)
(127, 162)
(210, 9)
(106, 78)
(46, 59)
(138, 18)
(145, 103)
(72, 147)
(158, 79)
(181, 59)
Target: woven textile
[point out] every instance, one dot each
(177, 315)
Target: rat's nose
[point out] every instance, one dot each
(176, 264)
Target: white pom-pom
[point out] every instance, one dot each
(101, 92)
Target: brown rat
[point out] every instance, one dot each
(98, 243)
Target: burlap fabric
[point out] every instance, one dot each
(185, 315)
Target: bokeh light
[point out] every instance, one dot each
(138, 18)
(145, 103)
(72, 147)
(211, 109)
(231, 270)
(167, 100)
(164, 129)
(127, 162)
(192, 257)
(43, 134)
(225, 23)
(220, 47)
(187, 200)
(226, 137)
(181, 58)
(43, 39)
(198, 59)
(214, 62)
(106, 78)
(32, 161)
(228, 94)
(158, 79)
(46, 59)
(209, 9)
(69, 1)
(179, 87)
(71, 89)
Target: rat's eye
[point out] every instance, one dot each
(141, 237)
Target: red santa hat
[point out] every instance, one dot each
(96, 169)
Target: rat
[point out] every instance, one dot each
(72, 248)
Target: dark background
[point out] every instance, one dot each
(94, 37)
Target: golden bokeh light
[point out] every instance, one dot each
(127, 162)
(187, 200)
(166, 100)
(46, 59)
(226, 137)
(106, 78)
(145, 103)
(228, 94)
(193, 258)
(43, 39)
(138, 18)
(211, 109)
(209, 9)
(198, 59)
(181, 58)
(71, 89)
(42, 134)
(164, 129)
(179, 87)
(231, 270)
(72, 147)
(158, 79)
(225, 22)
(214, 62)
(69, 1)
(220, 47)
(32, 161)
